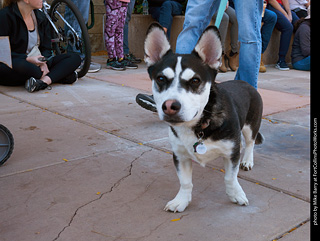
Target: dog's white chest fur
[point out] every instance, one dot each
(183, 145)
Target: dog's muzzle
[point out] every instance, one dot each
(171, 109)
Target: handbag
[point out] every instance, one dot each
(301, 13)
(34, 51)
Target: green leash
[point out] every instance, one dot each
(221, 9)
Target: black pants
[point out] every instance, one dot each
(59, 66)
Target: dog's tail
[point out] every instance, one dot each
(259, 139)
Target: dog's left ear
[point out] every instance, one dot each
(156, 44)
(209, 47)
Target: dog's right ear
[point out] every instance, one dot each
(156, 44)
(209, 47)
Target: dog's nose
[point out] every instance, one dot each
(171, 107)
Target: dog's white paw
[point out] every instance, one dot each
(178, 204)
(246, 165)
(238, 196)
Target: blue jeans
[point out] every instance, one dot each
(249, 24)
(165, 13)
(303, 64)
(269, 20)
(83, 6)
(126, 27)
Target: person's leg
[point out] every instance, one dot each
(232, 55)
(233, 29)
(269, 21)
(83, 6)
(126, 27)
(197, 18)
(303, 64)
(155, 13)
(295, 17)
(112, 11)
(167, 10)
(223, 28)
(20, 72)
(249, 23)
(286, 29)
(122, 13)
(62, 66)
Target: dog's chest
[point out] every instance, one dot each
(183, 141)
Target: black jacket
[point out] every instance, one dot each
(13, 25)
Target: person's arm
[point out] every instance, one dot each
(305, 40)
(8, 30)
(278, 7)
(307, 4)
(286, 6)
(45, 36)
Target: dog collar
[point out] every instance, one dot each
(199, 147)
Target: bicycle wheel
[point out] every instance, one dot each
(6, 144)
(72, 36)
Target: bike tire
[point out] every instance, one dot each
(6, 144)
(84, 33)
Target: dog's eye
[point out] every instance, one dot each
(195, 81)
(161, 79)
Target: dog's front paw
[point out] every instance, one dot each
(178, 204)
(246, 166)
(238, 196)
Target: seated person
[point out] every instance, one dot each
(300, 7)
(300, 54)
(164, 10)
(269, 20)
(229, 16)
(30, 40)
(285, 20)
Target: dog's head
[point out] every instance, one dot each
(181, 83)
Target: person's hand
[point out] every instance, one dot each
(307, 4)
(35, 60)
(44, 69)
(289, 17)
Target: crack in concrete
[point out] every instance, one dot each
(291, 230)
(115, 185)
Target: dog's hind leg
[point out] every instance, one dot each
(233, 188)
(247, 160)
(183, 198)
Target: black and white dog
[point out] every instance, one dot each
(206, 118)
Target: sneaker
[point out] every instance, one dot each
(281, 65)
(133, 59)
(33, 85)
(115, 64)
(146, 101)
(128, 63)
(94, 67)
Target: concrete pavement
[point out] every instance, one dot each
(90, 164)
